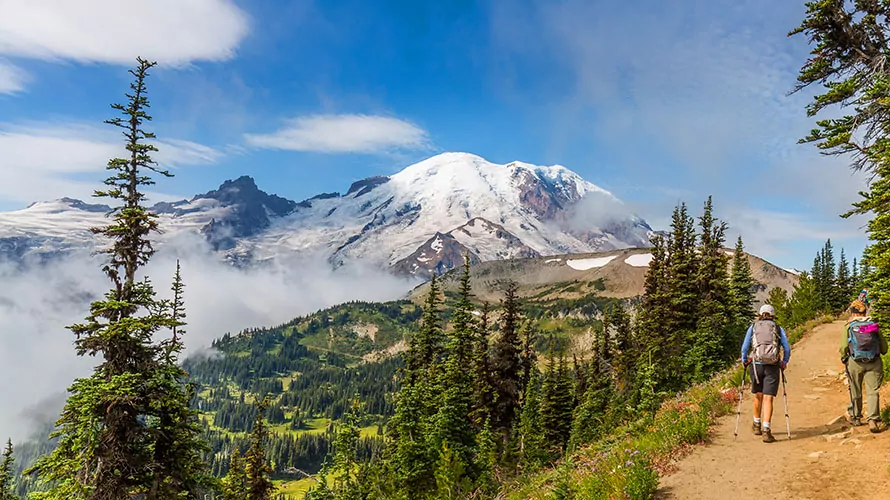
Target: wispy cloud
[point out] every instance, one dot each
(689, 95)
(42, 160)
(37, 302)
(344, 134)
(116, 31)
(12, 78)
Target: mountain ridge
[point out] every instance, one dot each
(491, 211)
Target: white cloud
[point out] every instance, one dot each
(691, 96)
(173, 32)
(41, 161)
(343, 134)
(37, 302)
(12, 78)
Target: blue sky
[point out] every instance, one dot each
(656, 101)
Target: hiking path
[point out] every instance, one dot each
(826, 458)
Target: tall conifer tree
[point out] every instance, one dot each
(845, 292)
(713, 340)
(7, 473)
(109, 444)
(452, 422)
(506, 364)
(256, 465)
(741, 287)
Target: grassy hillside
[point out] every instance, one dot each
(312, 366)
(616, 274)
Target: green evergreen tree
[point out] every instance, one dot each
(256, 465)
(109, 447)
(532, 448)
(713, 339)
(804, 303)
(588, 421)
(845, 285)
(7, 473)
(528, 335)
(235, 485)
(412, 459)
(506, 365)
(626, 351)
(487, 455)
(855, 280)
(828, 294)
(557, 403)
(656, 338)
(179, 471)
(349, 475)
(677, 300)
(428, 344)
(483, 391)
(452, 477)
(778, 298)
(742, 286)
(452, 428)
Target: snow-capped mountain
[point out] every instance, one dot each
(418, 221)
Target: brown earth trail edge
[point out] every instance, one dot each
(825, 458)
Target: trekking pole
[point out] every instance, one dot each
(849, 388)
(785, 398)
(735, 434)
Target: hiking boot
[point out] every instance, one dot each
(874, 426)
(854, 421)
(756, 428)
(768, 436)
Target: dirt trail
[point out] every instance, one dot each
(809, 466)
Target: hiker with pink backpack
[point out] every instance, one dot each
(861, 353)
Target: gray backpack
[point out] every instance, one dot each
(766, 342)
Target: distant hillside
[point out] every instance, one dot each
(614, 274)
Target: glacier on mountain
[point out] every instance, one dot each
(419, 221)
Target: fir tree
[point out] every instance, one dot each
(235, 485)
(588, 417)
(179, 470)
(741, 286)
(557, 404)
(804, 302)
(349, 475)
(452, 476)
(529, 336)
(412, 459)
(452, 422)
(428, 345)
(855, 280)
(532, 447)
(828, 294)
(656, 341)
(506, 365)
(483, 391)
(108, 429)
(683, 272)
(846, 291)
(626, 350)
(256, 465)
(7, 473)
(778, 298)
(713, 340)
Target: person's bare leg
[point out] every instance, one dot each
(767, 414)
(758, 402)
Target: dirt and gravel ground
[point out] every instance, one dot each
(824, 459)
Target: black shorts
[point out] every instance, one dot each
(767, 379)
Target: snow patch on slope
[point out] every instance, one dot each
(639, 260)
(586, 264)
